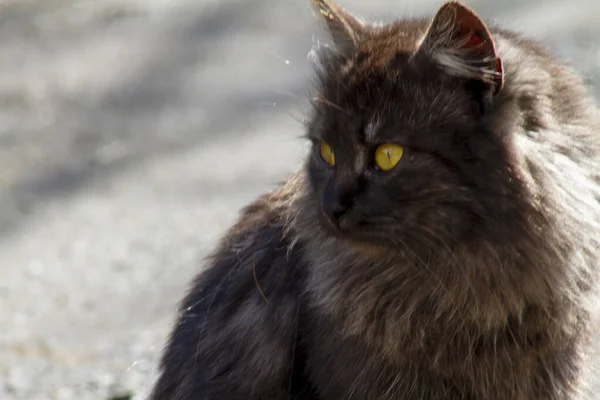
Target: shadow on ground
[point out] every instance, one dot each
(131, 132)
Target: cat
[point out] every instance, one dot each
(439, 242)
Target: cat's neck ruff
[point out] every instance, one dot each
(479, 293)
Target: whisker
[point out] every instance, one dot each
(256, 281)
(320, 99)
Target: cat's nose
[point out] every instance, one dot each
(337, 201)
(335, 209)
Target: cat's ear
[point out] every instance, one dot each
(462, 44)
(344, 28)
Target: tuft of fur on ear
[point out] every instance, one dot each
(461, 43)
(344, 28)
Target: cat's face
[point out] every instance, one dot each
(385, 161)
(401, 151)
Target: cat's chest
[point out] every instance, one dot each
(342, 367)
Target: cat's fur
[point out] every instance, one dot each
(466, 272)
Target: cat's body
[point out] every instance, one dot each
(466, 271)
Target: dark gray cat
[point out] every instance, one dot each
(441, 242)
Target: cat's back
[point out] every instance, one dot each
(552, 121)
(547, 91)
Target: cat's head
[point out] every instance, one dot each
(403, 146)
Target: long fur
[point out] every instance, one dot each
(479, 278)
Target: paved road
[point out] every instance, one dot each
(131, 132)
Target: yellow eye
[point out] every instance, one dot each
(387, 156)
(327, 154)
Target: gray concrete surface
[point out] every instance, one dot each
(131, 132)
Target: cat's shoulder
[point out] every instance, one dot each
(261, 225)
(243, 305)
(256, 258)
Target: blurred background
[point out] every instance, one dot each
(131, 133)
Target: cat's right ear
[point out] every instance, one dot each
(344, 28)
(462, 44)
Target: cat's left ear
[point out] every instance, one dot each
(461, 43)
(345, 29)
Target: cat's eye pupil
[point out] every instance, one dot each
(387, 156)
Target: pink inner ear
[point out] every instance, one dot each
(475, 40)
(498, 65)
(471, 26)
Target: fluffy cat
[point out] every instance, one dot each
(440, 242)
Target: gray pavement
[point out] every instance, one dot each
(131, 132)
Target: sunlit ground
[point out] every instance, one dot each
(131, 132)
